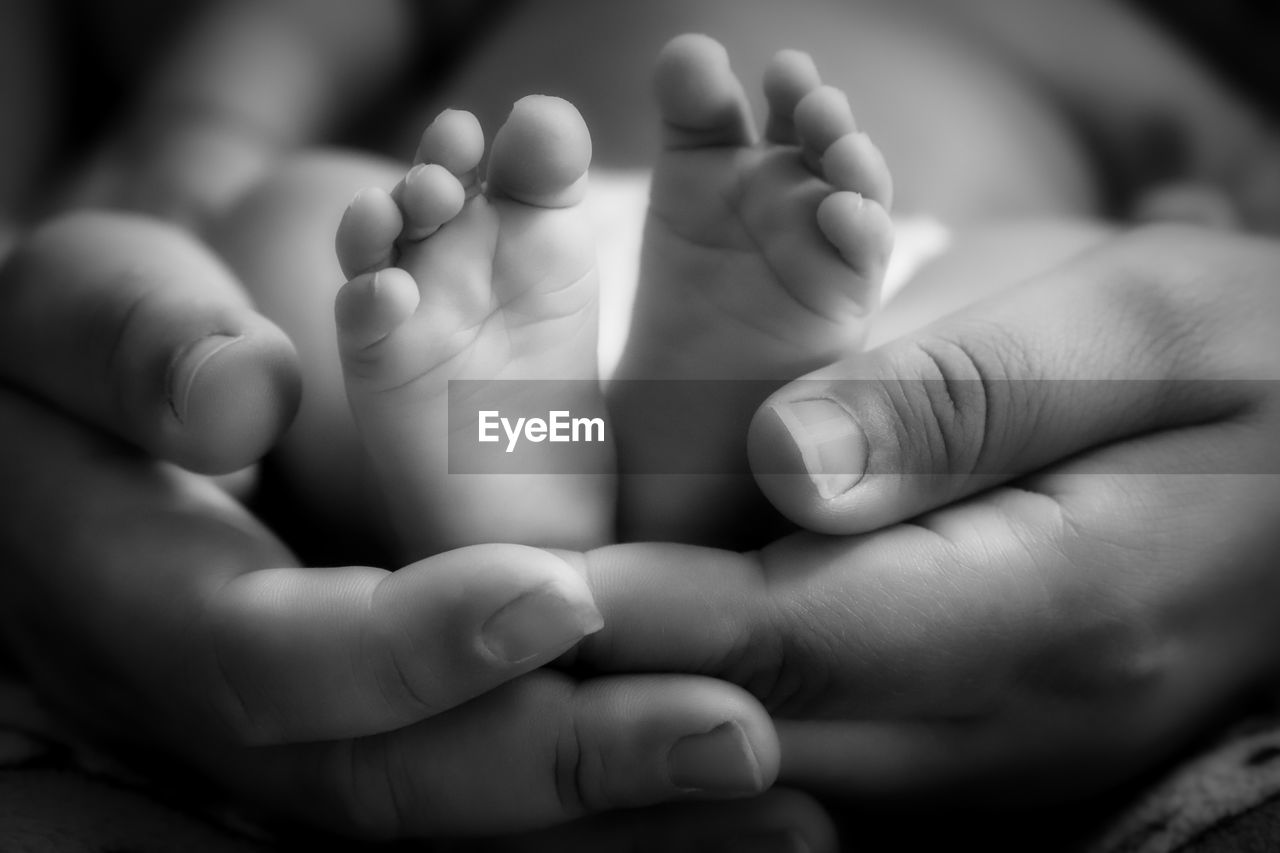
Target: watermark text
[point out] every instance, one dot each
(557, 427)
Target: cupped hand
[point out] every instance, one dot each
(1059, 521)
(156, 611)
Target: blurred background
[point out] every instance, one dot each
(176, 107)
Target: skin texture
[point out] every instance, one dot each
(891, 667)
(181, 365)
(157, 611)
(1185, 607)
(762, 259)
(492, 282)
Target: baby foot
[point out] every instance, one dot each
(452, 279)
(761, 261)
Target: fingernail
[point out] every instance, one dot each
(765, 841)
(540, 622)
(831, 444)
(186, 366)
(719, 761)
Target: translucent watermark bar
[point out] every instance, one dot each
(698, 427)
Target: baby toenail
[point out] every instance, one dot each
(832, 446)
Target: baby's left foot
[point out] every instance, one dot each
(762, 261)
(494, 284)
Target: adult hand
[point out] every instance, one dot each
(137, 330)
(1045, 587)
(157, 611)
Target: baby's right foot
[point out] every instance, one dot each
(761, 261)
(451, 281)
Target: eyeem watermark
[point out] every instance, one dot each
(561, 427)
(558, 427)
(535, 426)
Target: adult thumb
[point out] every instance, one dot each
(1120, 342)
(135, 327)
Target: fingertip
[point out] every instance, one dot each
(643, 739)
(807, 456)
(762, 738)
(519, 606)
(777, 465)
(149, 335)
(229, 397)
(732, 749)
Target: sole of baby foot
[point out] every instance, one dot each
(762, 261)
(469, 296)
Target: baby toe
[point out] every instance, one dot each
(860, 230)
(854, 163)
(429, 197)
(541, 154)
(701, 100)
(366, 236)
(822, 117)
(370, 307)
(789, 78)
(455, 141)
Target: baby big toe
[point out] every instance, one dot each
(541, 154)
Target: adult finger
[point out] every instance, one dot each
(947, 616)
(1120, 342)
(111, 561)
(143, 569)
(779, 821)
(535, 752)
(1155, 627)
(135, 327)
(1054, 637)
(836, 627)
(312, 654)
(108, 556)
